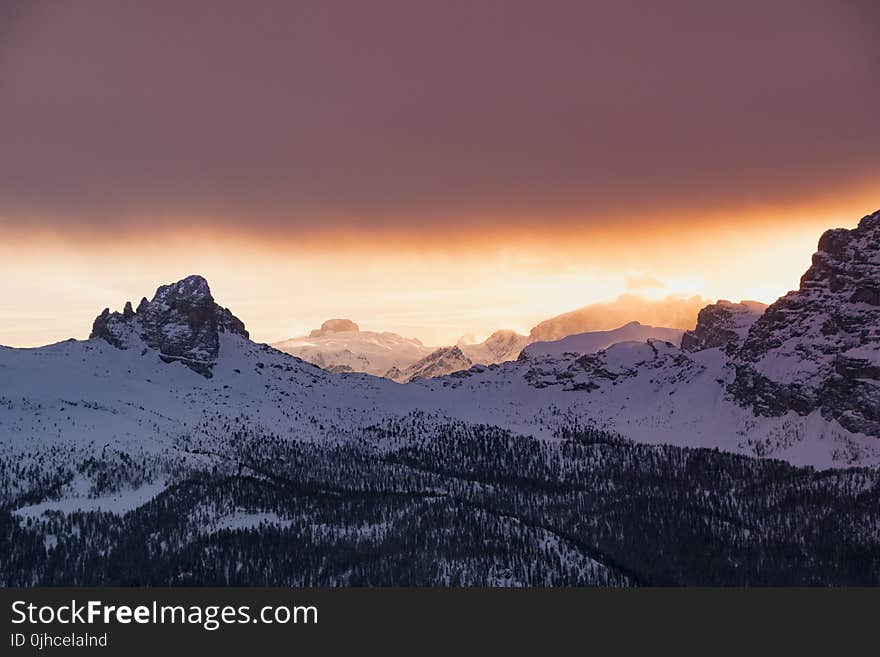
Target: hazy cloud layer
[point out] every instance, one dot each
(380, 115)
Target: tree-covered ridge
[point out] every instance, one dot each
(417, 501)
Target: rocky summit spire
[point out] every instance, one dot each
(182, 322)
(818, 348)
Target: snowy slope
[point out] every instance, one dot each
(651, 392)
(90, 398)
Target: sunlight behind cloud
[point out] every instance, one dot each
(435, 291)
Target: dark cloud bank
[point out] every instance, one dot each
(386, 114)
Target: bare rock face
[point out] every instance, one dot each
(819, 347)
(335, 326)
(182, 322)
(723, 324)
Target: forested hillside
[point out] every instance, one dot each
(418, 502)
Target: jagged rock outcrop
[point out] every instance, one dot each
(440, 362)
(724, 324)
(819, 347)
(182, 322)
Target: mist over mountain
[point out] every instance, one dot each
(589, 343)
(672, 312)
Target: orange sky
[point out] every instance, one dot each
(433, 169)
(433, 285)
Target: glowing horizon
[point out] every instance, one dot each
(433, 290)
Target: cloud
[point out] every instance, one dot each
(392, 116)
(644, 281)
(673, 312)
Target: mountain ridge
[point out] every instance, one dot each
(650, 391)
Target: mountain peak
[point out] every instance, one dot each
(818, 347)
(191, 287)
(335, 326)
(439, 362)
(182, 322)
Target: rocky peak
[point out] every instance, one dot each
(819, 347)
(182, 322)
(723, 324)
(440, 362)
(335, 326)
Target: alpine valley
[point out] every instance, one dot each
(170, 449)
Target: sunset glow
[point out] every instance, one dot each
(479, 294)
(318, 160)
(437, 287)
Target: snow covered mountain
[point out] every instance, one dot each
(817, 349)
(794, 389)
(439, 362)
(502, 345)
(340, 346)
(590, 343)
(172, 413)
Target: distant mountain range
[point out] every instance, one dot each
(340, 346)
(170, 435)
